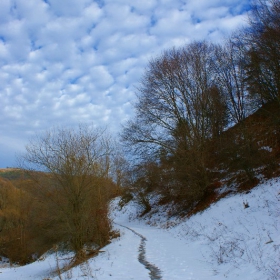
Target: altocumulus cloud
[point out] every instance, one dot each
(78, 61)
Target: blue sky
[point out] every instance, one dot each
(78, 61)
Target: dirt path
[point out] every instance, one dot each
(155, 273)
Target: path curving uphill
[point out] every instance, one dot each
(155, 273)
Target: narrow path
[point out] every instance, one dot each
(155, 273)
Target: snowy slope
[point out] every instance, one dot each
(227, 241)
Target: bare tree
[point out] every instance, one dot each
(180, 107)
(263, 41)
(74, 165)
(231, 60)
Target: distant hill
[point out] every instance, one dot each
(12, 173)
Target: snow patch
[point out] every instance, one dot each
(226, 241)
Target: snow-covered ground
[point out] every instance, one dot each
(227, 241)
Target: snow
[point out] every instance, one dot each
(227, 241)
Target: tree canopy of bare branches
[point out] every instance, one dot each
(75, 167)
(180, 107)
(263, 41)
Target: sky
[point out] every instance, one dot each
(67, 62)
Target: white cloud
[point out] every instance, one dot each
(33, 12)
(5, 6)
(174, 25)
(64, 63)
(101, 77)
(71, 8)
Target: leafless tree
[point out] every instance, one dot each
(180, 107)
(74, 165)
(231, 60)
(263, 41)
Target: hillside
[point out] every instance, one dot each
(12, 173)
(226, 241)
(231, 232)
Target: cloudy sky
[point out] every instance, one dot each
(64, 62)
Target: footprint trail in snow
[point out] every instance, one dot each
(155, 273)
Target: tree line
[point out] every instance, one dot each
(189, 100)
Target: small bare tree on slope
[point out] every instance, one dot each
(75, 166)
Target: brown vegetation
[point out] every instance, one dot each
(187, 98)
(64, 204)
